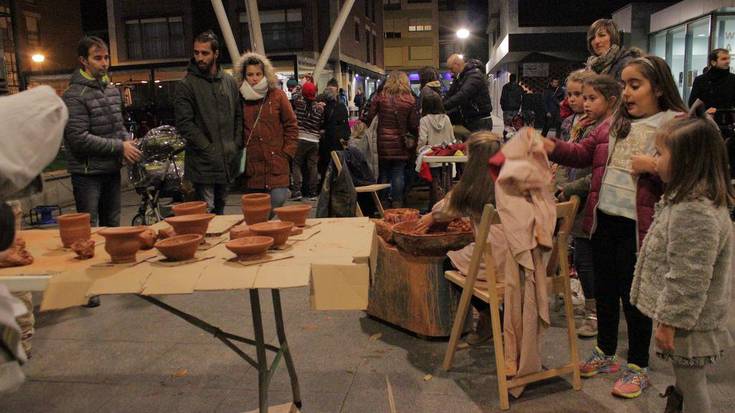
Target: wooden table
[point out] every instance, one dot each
(445, 170)
(320, 251)
(411, 292)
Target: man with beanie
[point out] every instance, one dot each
(336, 127)
(209, 117)
(310, 116)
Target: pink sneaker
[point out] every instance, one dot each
(598, 362)
(633, 382)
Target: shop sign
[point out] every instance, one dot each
(535, 70)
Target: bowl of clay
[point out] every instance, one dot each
(240, 231)
(190, 224)
(190, 208)
(179, 247)
(251, 247)
(432, 244)
(279, 230)
(398, 215)
(294, 213)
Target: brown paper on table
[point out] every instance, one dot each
(120, 280)
(307, 234)
(182, 280)
(223, 223)
(268, 257)
(282, 275)
(339, 287)
(227, 276)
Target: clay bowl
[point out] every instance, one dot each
(74, 227)
(122, 243)
(190, 224)
(250, 247)
(179, 247)
(397, 215)
(384, 230)
(240, 231)
(256, 208)
(147, 238)
(279, 230)
(296, 231)
(190, 208)
(432, 244)
(294, 213)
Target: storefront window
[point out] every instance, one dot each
(725, 34)
(699, 35)
(678, 49)
(658, 45)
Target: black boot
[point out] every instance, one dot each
(674, 400)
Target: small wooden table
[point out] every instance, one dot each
(411, 292)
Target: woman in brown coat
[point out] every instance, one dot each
(270, 129)
(395, 107)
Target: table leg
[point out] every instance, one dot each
(263, 378)
(284, 347)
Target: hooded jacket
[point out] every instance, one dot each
(435, 130)
(273, 140)
(95, 132)
(468, 99)
(208, 116)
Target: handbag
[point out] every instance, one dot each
(409, 140)
(243, 158)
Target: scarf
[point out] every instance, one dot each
(602, 64)
(256, 92)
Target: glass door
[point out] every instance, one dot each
(697, 52)
(677, 37)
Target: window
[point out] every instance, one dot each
(392, 35)
(391, 4)
(282, 29)
(375, 49)
(419, 25)
(32, 31)
(155, 38)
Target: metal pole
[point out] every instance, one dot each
(224, 25)
(256, 35)
(332, 39)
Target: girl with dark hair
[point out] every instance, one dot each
(619, 211)
(435, 129)
(684, 282)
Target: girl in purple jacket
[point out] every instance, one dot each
(619, 210)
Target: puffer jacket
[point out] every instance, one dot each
(593, 151)
(397, 115)
(95, 132)
(209, 117)
(468, 98)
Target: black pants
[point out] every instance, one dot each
(215, 195)
(553, 121)
(100, 196)
(585, 265)
(614, 252)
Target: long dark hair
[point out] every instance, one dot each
(698, 161)
(428, 74)
(656, 71)
(476, 187)
(431, 104)
(608, 87)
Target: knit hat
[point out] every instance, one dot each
(308, 90)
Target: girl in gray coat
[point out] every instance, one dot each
(435, 129)
(682, 277)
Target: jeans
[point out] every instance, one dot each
(553, 121)
(585, 265)
(279, 196)
(306, 160)
(393, 172)
(614, 252)
(100, 196)
(215, 195)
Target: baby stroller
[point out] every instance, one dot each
(159, 173)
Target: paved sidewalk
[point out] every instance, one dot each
(128, 356)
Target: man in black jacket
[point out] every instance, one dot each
(716, 87)
(553, 95)
(468, 100)
(511, 98)
(95, 137)
(336, 126)
(209, 116)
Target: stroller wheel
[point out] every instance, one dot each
(149, 218)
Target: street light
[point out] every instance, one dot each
(463, 33)
(38, 58)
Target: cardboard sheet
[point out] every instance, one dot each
(340, 287)
(217, 226)
(282, 275)
(227, 275)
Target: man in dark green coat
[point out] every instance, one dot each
(209, 117)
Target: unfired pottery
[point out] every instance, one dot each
(122, 243)
(73, 227)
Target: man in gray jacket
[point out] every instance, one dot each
(95, 136)
(209, 116)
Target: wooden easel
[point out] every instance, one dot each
(494, 291)
(372, 189)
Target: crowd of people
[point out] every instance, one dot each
(650, 171)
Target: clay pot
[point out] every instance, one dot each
(179, 247)
(166, 233)
(73, 227)
(240, 231)
(147, 238)
(294, 213)
(83, 248)
(122, 243)
(296, 231)
(190, 208)
(250, 247)
(191, 224)
(256, 208)
(279, 230)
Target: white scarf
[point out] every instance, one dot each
(256, 92)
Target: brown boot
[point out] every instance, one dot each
(674, 400)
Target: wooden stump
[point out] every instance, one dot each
(412, 293)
